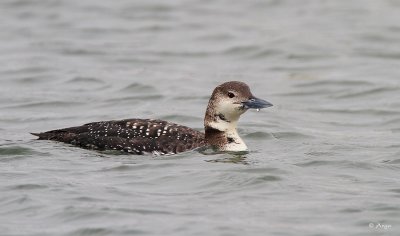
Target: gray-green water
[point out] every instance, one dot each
(325, 160)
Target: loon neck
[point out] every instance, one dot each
(221, 132)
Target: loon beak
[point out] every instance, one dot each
(256, 103)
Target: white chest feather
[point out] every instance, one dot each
(232, 140)
(235, 143)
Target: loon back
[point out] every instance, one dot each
(136, 136)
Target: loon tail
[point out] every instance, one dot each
(51, 135)
(43, 135)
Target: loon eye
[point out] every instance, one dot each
(231, 95)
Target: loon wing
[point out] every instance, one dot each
(135, 136)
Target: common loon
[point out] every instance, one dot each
(139, 136)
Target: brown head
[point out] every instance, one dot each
(228, 101)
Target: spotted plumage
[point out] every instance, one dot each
(139, 136)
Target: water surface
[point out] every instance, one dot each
(323, 161)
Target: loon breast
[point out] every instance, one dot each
(136, 136)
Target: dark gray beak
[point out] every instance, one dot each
(256, 103)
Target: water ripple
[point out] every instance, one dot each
(357, 111)
(259, 135)
(367, 92)
(44, 104)
(15, 150)
(341, 163)
(378, 54)
(85, 81)
(138, 88)
(99, 231)
(335, 83)
(27, 186)
(135, 98)
(92, 231)
(291, 136)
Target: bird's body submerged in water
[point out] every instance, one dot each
(139, 136)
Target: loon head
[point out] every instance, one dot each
(228, 101)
